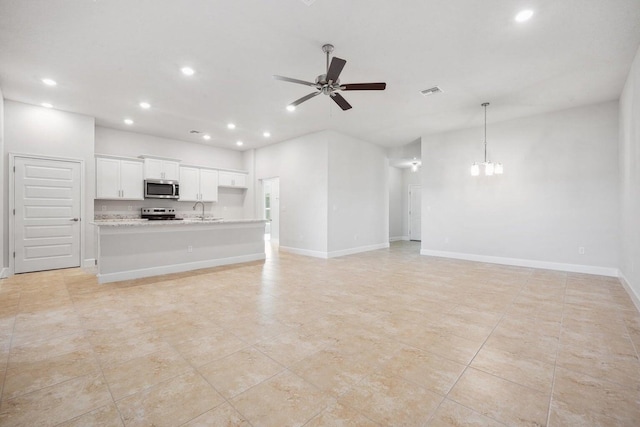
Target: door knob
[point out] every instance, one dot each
(74, 219)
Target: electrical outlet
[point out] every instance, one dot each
(355, 237)
(189, 248)
(130, 208)
(581, 250)
(446, 240)
(104, 208)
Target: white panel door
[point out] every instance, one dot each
(415, 209)
(47, 214)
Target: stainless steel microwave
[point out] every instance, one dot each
(161, 189)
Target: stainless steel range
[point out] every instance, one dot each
(156, 214)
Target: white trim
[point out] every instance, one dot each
(547, 265)
(4, 273)
(627, 287)
(334, 254)
(176, 268)
(396, 238)
(358, 250)
(12, 164)
(305, 252)
(89, 263)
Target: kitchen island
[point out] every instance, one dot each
(134, 248)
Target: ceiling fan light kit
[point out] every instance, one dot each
(490, 168)
(329, 83)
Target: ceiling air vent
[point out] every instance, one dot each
(308, 2)
(431, 91)
(194, 131)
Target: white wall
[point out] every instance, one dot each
(396, 210)
(302, 165)
(230, 204)
(358, 204)
(559, 191)
(630, 179)
(4, 259)
(34, 130)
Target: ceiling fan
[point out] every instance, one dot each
(329, 83)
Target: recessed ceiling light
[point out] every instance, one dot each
(206, 136)
(524, 15)
(128, 121)
(145, 105)
(187, 71)
(49, 82)
(231, 126)
(266, 134)
(46, 105)
(291, 107)
(239, 143)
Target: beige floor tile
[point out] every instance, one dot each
(283, 400)
(392, 400)
(338, 415)
(516, 368)
(500, 399)
(222, 416)
(116, 351)
(291, 347)
(239, 371)
(333, 371)
(452, 414)
(202, 350)
(25, 377)
(429, 370)
(106, 416)
(575, 393)
(46, 348)
(170, 403)
(55, 404)
(145, 371)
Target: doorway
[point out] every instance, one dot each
(271, 208)
(46, 213)
(415, 209)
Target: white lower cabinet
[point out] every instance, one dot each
(119, 178)
(232, 179)
(198, 184)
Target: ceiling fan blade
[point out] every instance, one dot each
(335, 68)
(338, 99)
(304, 98)
(290, 80)
(364, 86)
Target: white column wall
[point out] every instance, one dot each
(358, 205)
(559, 192)
(630, 180)
(395, 203)
(301, 164)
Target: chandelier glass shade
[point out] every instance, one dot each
(490, 168)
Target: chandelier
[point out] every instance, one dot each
(489, 167)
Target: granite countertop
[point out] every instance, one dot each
(139, 222)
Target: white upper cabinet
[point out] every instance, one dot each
(198, 184)
(119, 178)
(232, 179)
(161, 168)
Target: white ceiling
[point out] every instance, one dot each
(108, 55)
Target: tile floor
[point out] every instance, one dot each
(386, 338)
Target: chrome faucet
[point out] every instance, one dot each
(194, 208)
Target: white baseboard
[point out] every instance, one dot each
(396, 238)
(305, 252)
(359, 249)
(334, 254)
(176, 268)
(627, 287)
(546, 265)
(4, 272)
(89, 263)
